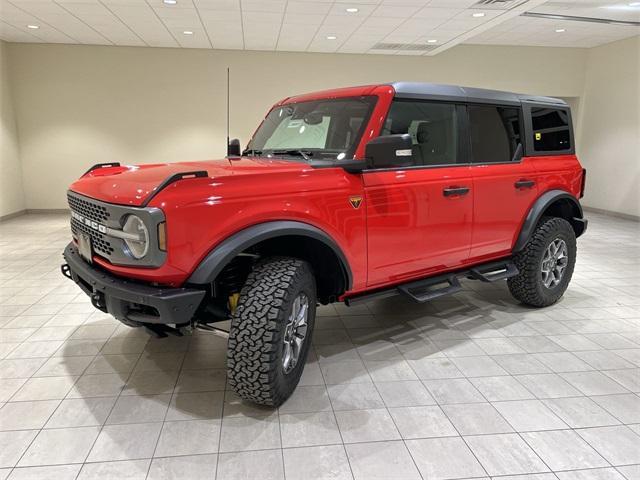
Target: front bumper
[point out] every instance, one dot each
(131, 302)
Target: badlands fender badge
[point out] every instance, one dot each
(355, 201)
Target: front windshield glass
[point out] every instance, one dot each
(327, 128)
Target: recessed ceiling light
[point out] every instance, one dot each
(33, 27)
(352, 10)
(433, 40)
(560, 30)
(478, 14)
(188, 32)
(170, 2)
(331, 37)
(634, 4)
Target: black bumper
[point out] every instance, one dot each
(131, 302)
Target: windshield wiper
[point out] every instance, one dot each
(251, 152)
(306, 154)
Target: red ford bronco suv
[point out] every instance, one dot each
(343, 195)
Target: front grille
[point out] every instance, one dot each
(97, 213)
(95, 218)
(99, 242)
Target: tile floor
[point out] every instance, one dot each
(471, 386)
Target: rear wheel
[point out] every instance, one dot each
(271, 330)
(546, 263)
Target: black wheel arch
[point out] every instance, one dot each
(288, 238)
(555, 203)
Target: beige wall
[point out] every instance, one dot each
(609, 141)
(80, 105)
(11, 192)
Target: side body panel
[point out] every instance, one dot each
(413, 229)
(562, 172)
(500, 206)
(200, 215)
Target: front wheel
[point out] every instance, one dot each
(546, 263)
(270, 331)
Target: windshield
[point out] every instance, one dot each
(327, 128)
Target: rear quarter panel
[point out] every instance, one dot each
(562, 172)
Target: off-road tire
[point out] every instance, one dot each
(254, 353)
(528, 286)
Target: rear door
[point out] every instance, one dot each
(419, 216)
(505, 183)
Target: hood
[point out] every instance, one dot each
(132, 185)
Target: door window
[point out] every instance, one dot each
(495, 133)
(551, 129)
(433, 130)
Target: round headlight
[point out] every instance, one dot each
(137, 239)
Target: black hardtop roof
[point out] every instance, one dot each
(454, 93)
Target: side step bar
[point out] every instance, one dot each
(430, 288)
(494, 271)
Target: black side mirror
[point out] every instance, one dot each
(233, 149)
(389, 151)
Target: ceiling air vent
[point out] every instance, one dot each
(498, 4)
(403, 47)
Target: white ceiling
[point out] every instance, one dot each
(313, 25)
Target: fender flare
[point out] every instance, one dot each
(540, 206)
(224, 252)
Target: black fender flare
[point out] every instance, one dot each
(543, 202)
(224, 252)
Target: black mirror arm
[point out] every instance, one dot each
(517, 155)
(352, 165)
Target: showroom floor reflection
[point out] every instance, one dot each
(471, 386)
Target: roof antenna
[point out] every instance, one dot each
(233, 146)
(227, 110)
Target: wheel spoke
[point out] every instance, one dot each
(554, 263)
(286, 356)
(296, 332)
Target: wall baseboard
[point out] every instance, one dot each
(9, 216)
(39, 211)
(47, 210)
(602, 211)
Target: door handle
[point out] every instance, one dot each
(524, 183)
(455, 191)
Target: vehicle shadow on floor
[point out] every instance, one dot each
(184, 378)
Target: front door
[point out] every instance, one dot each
(419, 217)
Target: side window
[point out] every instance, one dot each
(551, 130)
(433, 129)
(495, 133)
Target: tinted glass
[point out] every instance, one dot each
(495, 133)
(322, 128)
(433, 130)
(551, 130)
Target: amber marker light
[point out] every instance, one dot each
(162, 236)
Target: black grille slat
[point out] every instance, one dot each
(97, 213)
(98, 240)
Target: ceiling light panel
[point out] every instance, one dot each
(311, 8)
(217, 5)
(263, 24)
(263, 6)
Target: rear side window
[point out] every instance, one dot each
(495, 133)
(433, 128)
(551, 129)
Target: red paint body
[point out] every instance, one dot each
(404, 229)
